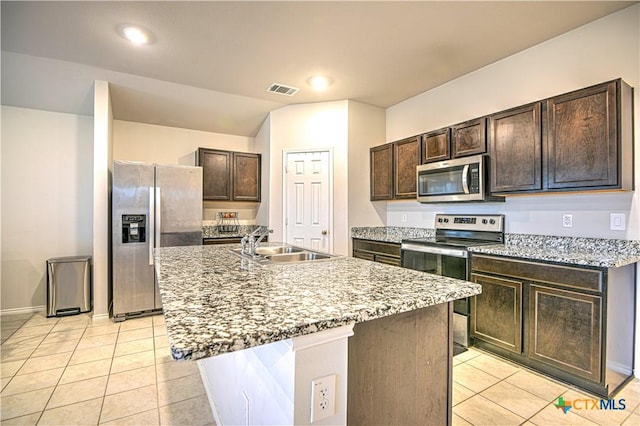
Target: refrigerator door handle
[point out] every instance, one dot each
(152, 203)
(158, 223)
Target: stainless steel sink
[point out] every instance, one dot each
(277, 250)
(298, 257)
(277, 253)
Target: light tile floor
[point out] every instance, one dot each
(79, 371)
(488, 390)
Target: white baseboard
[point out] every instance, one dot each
(26, 310)
(100, 316)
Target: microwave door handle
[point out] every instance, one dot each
(465, 179)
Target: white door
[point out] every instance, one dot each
(307, 202)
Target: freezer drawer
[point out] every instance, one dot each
(69, 286)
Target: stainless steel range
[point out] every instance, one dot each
(447, 255)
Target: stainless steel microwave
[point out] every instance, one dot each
(457, 180)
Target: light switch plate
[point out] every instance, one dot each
(617, 222)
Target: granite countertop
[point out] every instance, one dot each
(598, 252)
(212, 232)
(215, 302)
(391, 234)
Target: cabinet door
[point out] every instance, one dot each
(216, 174)
(582, 142)
(381, 159)
(496, 314)
(406, 159)
(514, 145)
(246, 176)
(436, 146)
(469, 138)
(565, 330)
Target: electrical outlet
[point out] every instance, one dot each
(404, 218)
(323, 398)
(567, 220)
(617, 222)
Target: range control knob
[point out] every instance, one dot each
(439, 220)
(492, 221)
(484, 221)
(446, 220)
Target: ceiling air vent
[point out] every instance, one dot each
(282, 89)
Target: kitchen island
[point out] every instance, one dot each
(262, 334)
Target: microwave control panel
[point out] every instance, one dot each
(474, 178)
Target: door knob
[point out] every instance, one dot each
(324, 232)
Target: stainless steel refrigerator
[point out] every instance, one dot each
(152, 206)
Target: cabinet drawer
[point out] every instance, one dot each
(376, 247)
(213, 241)
(363, 255)
(567, 276)
(388, 260)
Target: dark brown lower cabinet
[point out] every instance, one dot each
(570, 322)
(566, 330)
(377, 251)
(496, 314)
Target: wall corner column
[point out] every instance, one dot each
(102, 159)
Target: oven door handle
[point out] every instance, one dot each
(465, 179)
(434, 250)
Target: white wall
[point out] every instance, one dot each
(311, 126)
(172, 145)
(366, 129)
(47, 204)
(600, 51)
(262, 145)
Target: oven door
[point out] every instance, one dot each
(446, 262)
(440, 261)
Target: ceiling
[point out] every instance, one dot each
(210, 63)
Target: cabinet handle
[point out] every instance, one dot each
(325, 232)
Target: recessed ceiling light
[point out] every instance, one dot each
(135, 34)
(319, 82)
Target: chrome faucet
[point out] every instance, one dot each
(249, 242)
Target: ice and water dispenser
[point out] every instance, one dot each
(134, 228)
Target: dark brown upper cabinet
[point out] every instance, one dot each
(514, 139)
(588, 138)
(436, 145)
(229, 176)
(381, 172)
(406, 155)
(246, 176)
(216, 174)
(469, 138)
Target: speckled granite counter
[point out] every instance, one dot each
(212, 232)
(390, 234)
(598, 252)
(603, 253)
(215, 302)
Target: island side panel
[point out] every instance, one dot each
(400, 369)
